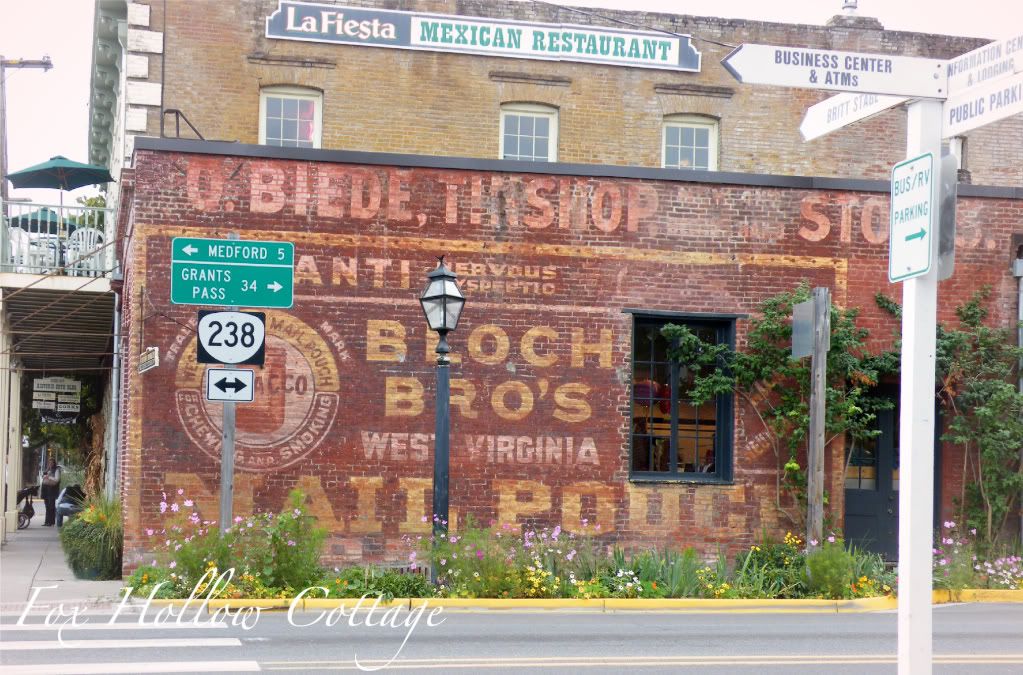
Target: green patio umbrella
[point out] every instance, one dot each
(41, 220)
(60, 173)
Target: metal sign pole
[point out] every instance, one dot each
(815, 442)
(227, 453)
(916, 418)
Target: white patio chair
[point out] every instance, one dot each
(26, 255)
(82, 258)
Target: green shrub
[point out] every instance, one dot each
(829, 570)
(93, 541)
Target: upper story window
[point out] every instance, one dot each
(671, 437)
(690, 142)
(529, 132)
(290, 117)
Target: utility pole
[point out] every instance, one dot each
(6, 63)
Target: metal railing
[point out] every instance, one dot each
(51, 239)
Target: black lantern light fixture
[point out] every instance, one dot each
(442, 303)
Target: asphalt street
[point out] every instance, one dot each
(974, 638)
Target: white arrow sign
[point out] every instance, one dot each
(189, 250)
(223, 384)
(982, 105)
(274, 287)
(838, 71)
(991, 62)
(842, 109)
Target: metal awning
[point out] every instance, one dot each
(56, 331)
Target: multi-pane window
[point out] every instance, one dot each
(671, 436)
(690, 142)
(290, 117)
(529, 132)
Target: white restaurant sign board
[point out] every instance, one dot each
(984, 104)
(836, 112)
(911, 218)
(838, 71)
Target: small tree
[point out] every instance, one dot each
(776, 387)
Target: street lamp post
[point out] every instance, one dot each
(442, 303)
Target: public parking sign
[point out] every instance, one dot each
(231, 337)
(232, 272)
(911, 221)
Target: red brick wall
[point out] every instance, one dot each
(344, 405)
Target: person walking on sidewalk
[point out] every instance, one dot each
(51, 488)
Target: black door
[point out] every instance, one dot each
(872, 490)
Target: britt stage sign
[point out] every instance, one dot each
(475, 35)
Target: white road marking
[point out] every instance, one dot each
(141, 643)
(137, 667)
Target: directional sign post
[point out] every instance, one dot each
(911, 223)
(843, 109)
(992, 101)
(837, 71)
(230, 384)
(232, 272)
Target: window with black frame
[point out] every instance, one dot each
(671, 436)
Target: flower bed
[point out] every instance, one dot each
(276, 555)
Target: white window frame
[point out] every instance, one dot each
(534, 110)
(300, 93)
(691, 122)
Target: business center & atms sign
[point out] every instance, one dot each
(474, 35)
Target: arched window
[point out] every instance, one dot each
(529, 132)
(690, 142)
(290, 117)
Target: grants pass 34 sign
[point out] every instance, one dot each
(478, 35)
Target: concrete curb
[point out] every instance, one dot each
(802, 606)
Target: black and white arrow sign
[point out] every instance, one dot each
(230, 384)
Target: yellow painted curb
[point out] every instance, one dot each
(979, 595)
(239, 603)
(509, 603)
(720, 605)
(350, 603)
(867, 604)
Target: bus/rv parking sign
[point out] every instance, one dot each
(911, 223)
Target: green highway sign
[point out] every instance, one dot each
(232, 272)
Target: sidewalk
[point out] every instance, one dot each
(33, 557)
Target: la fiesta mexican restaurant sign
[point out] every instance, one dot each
(473, 35)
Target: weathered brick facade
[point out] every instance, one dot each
(215, 58)
(541, 377)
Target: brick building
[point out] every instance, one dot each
(661, 193)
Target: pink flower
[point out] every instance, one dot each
(479, 554)
(571, 554)
(556, 533)
(423, 519)
(813, 542)
(181, 491)
(297, 512)
(973, 531)
(175, 507)
(238, 519)
(163, 507)
(950, 524)
(831, 539)
(174, 563)
(443, 561)
(189, 502)
(149, 532)
(291, 543)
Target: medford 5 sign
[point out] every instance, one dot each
(232, 272)
(475, 35)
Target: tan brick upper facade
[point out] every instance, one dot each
(216, 59)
